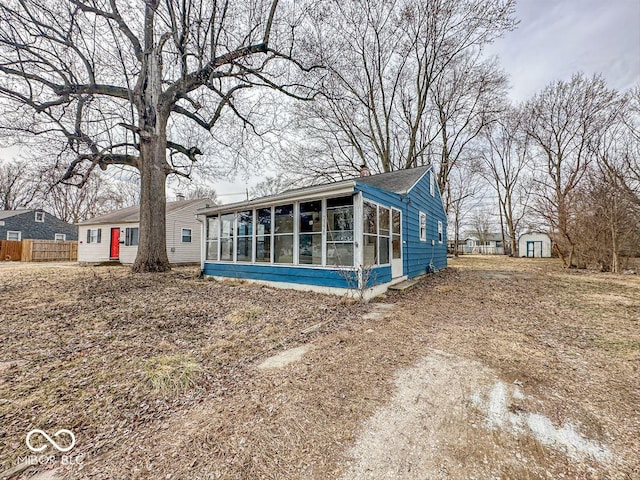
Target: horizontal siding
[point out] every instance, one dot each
(379, 275)
(323, 277)
(417, 254)
(184, 252)
(99, 252)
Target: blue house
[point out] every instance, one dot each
(364, 233)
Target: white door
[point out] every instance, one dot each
(396, 243)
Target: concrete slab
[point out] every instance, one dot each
(285, 358)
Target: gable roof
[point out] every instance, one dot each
(12, 213)
(399, 181)
(132, 214)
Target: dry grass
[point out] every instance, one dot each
(78, 343)
(173, 373)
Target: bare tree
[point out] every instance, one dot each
(113, 81)
(565, 119)
(19, 185)
(506, 158)
(386, 60)
(465, 194)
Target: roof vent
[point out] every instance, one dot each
(180, 197)
(364, 170)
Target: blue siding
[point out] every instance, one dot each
(379, 275)
(323, 277)
(417, 255)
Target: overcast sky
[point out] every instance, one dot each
(557, 38)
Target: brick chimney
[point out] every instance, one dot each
(364, 170)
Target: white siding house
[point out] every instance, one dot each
(114, 236)
(534, 244)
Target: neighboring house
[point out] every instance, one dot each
(114, 236)
(34, 224)
(365, 234)
(534, 244)
(491, 244)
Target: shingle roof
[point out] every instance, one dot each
(10, 213)
(399, 181)
(132, 214)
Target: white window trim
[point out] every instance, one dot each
(63, 235)
(182, 235)
(41, 215)
(420, 217)
(440, 232)
(432, 182)
(14, 231)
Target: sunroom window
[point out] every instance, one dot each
(370, 231)
(310, 243)
(213, 235)
(226, 237)
(263, 235)
(339, 247)
(283, 234)
(245, 236)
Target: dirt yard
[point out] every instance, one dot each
(495, 368)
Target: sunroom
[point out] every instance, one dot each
(333, 238)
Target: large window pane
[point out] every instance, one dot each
(212, 250)
(370, 246)
(340, 224)
(340, 254)
(396, 221)
(245, 223)
(226, 249)
(384, 250)
(213, 224)
(263, 249)
(283, 249)
(244, 249)
(283, 219)
(370, 220)
(310, 249)
(264, 221)
(397, 253)
(384, 221)
(227, 225)
(311, 217)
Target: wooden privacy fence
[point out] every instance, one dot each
(49, 250)
(10, 250)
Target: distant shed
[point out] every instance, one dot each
(534, 245)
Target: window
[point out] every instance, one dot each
(226, 237)
(14, 236)
(131, 236)
(339, 246)
(40, 217)
(244, 251)
(370, 237)
(283, 234)
(263, 235)
(94, 235)
(186, 235)
(384, 234)
(60, 236)
(432, 184)
(439, 232)
(310, 241)
(423, 227)
(396, 244)
(213, 235)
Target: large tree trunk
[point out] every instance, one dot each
(152, 247)
(153, 116)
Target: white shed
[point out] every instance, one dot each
(114, 236)
(534, 244)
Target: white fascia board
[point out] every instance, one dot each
(311, 193)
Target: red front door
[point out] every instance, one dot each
(115, 243)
